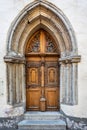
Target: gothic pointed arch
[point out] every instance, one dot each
(41, 15)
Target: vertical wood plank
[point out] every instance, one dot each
(42, 42)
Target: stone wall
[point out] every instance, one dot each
(77, 14)
(72, 123)
(10, 123)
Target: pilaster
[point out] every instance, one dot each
(15, 79)
(69, 79)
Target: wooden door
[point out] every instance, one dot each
(51, 84)
(42, 73)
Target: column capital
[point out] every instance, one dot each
(14, 59)
(76, 59)
(70, 59)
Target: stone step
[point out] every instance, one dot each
(42, 125)
(42, 116)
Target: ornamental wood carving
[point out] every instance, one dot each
(41, 41)
(42, 83)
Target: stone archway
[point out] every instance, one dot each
(41, 14)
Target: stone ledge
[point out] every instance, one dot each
(70, 59)
(43, 115)
(14, 59)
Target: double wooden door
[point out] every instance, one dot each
(42, 81)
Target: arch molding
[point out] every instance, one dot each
(41, 15)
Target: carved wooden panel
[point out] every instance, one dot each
(33, 98)
(33, 73)
(33, 78)
(33, 90)
(35, 43)
(42, 73)
(51, 95)
(41, 41)
(52, 85)
(51, 74)
(50, 46)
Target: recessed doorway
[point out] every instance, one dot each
(42, 73)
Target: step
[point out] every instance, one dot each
(42, 125)
(42, 115)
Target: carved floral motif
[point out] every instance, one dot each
(50, 47)
(35, 43)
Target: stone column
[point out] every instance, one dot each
(17, 83)
(16, 80)
(10, 83)
(69, 80)
(68, 83)
(23, 87)
(74, 81)
(62, 82)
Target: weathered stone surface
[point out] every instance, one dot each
(42, 125)
(76, 11)
(43, 116)
(42, 120)
(10, 123)
(21, 30)
(76, 125)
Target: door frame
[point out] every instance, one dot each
(42, 51)
(16, 43)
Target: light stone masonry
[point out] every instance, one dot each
(76, 12)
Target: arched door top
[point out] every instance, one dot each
(41, 14)
(41, 42)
